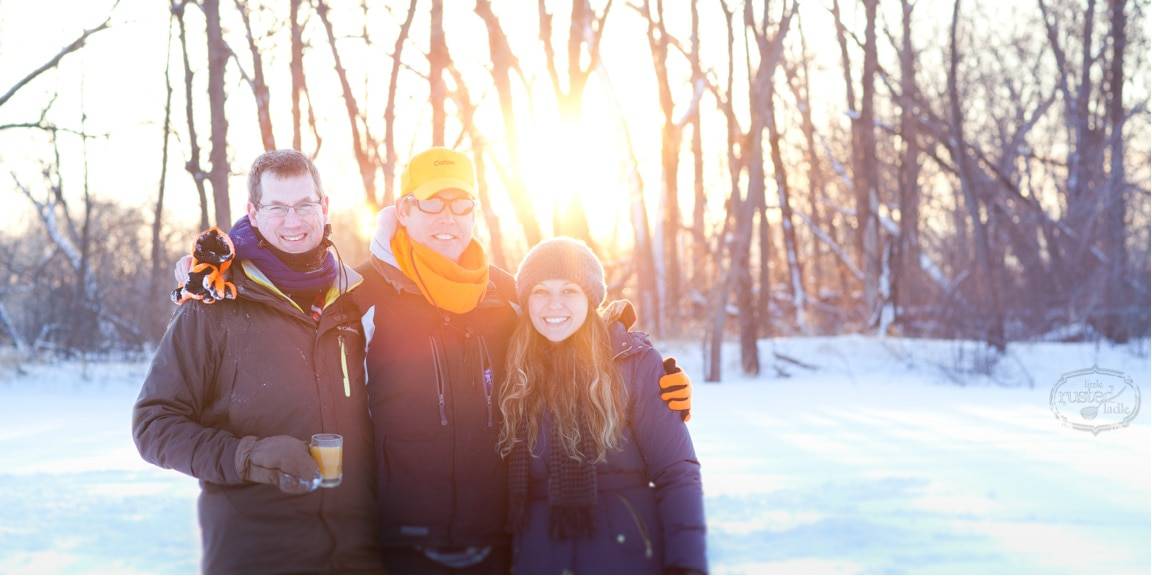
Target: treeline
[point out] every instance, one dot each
(971, 175)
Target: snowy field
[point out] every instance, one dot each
(883, 456)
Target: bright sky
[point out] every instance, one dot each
(119, 78)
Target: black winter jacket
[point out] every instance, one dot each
(432, 384)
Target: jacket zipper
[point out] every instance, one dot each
(439, 379)
(639, 526)
(344, 367)
(486, 367)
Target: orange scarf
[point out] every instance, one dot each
(455, 287)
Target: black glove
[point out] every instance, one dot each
(676, 389)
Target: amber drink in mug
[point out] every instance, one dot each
(328, 452)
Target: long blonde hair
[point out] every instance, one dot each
(575, 380)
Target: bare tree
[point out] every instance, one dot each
(737, 275)
(437, 63)
(193, 164)
(986, 279)
(217, 60)
(725, 278)
(586, 29)
(390, 107)
(904, 286)
(363, 145)
(791, 250)
(55, 60)
(158, 215)
(799, 82)
(256, 81)
(1116, 299)
(467, 108)
(867, 178)
(504, 62)
(296, 67)
(671, 135)
(699, 201)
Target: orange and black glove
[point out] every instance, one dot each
(207, 280)
(676, 389)
(281, 461)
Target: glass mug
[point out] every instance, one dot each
(328, 452)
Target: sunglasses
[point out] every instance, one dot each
(436, 205)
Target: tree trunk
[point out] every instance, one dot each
(1120, 325)
(363, 145)
(723, 281)
(815, 174)
(467, 118)
(297, 69)
(867, 193)
(740, 257)
(259, 86)
(503, 63)
(764, 295)
(905, 288)
(390, 108)
(217, 61)
(193, 164)
(670, 138)
(10, 327)
(795, 273)
(700, 202)
(437, 61)
(586, 28)
(986, 281)
(643, 254)
(155, 291)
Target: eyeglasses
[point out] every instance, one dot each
(436, 205)
(279, 211)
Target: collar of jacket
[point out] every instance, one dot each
(625, 343)
(254, 285)
(403, 284)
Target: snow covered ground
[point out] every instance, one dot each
(886, 457)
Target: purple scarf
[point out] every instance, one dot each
(251, 246)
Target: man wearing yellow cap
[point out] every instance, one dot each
(439, 320)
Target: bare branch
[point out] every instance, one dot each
(74, 46)
(51, 128)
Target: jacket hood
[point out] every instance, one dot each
(626, 344)
(381, 245)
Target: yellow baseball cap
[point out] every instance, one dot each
(437, 169)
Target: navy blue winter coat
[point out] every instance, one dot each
(650, 506)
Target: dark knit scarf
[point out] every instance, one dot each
(310, 272)
(571, 482)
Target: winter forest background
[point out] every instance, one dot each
(875, 224)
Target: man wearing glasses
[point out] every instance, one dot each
(236, 390)
(440, 318)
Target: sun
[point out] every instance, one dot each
(580, 158)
